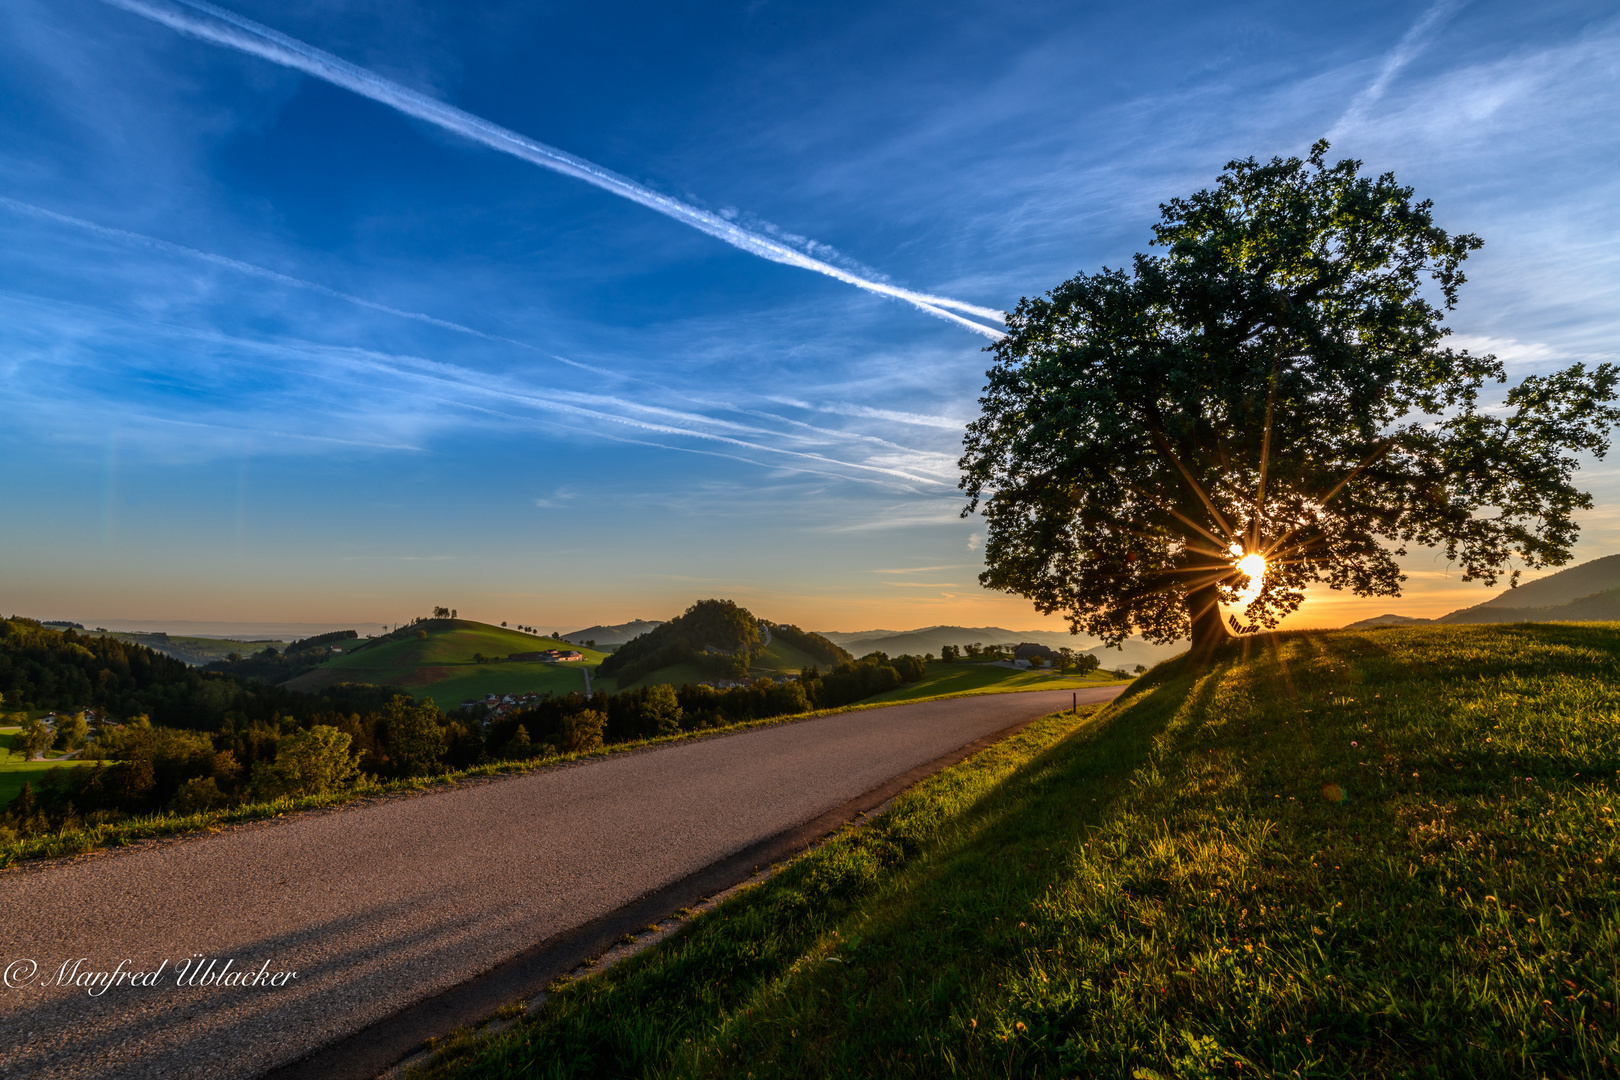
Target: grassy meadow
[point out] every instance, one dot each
(442, 665)
(1388, 852)
(966, 677)
(14, 771)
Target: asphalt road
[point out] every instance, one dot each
(379, 906)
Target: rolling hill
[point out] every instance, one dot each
(442, 663)
(617, 634)
(1589, 592)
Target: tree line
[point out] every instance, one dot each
(185, 758)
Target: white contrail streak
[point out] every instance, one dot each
(222, 27)
(1413, 42)
(251, 270)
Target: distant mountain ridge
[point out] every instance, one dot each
(613, 635)
(1589, 592)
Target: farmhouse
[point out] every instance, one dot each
(549, 656)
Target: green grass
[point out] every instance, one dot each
(974, 678)
(676, 675)
(441, 666)
(1375, 853)
(14, 771)
(780, 659)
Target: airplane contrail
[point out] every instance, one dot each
(1413, 42)
(226, 28)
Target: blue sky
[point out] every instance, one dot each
(274, 351)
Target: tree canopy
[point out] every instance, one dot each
(1276, 384)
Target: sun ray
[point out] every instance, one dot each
(1364, 464)
(1198, 490)
(1265, 460)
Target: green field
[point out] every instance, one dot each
(1358, 854)
(441, 666)
(676, 675)
(14, 771)
(975, 678)
(780, 660)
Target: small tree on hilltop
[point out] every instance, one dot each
(1266, 405)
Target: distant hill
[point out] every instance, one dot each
(613, 635)
(1599, 575)
(932, 638)
(1589, 592)
(438, 658)
(1387, 620)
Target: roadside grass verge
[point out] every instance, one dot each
(84, 838)
(1378, 853)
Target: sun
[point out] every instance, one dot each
(1254, 565)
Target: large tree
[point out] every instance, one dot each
(1276, 385)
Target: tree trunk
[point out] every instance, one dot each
(1203, 607)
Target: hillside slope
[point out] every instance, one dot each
(1355, 854)
(443, 663)
(617, 634)
(1589, 592)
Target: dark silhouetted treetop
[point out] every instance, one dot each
(1275, 384)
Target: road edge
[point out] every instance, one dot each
(374, 1049)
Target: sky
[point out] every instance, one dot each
(566, 314)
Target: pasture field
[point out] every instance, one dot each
(967, 677)
(14, 771)
(442, 665)
(1375, 853)
(780, 660)
(675, 675)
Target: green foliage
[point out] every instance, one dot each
(322, 641)
(816, 647)
(412, 735)
(1276, 380)
(519, 747)
(661, 711)
(715, 635)
(582, 731)
(49, 669)
(71, 732)
(871, 675)
(1385, 853)
(34, 737)
(309, 762)
(199, 795)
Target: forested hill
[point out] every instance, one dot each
(42, 668)
(716, 637)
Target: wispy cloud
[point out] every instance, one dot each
(948, 423)
(220, 27)
(260, 272)
(1413, 42)
(378, 399)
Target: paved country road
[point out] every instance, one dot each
(378, 907)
